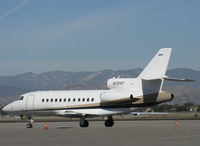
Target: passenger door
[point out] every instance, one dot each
(30, 102)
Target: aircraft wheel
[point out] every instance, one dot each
(84, 123)
(109, 123)
(29, 125)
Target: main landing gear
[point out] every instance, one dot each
(109, 121)
(30, 121)
(83, 123)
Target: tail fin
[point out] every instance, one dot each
(158, 65)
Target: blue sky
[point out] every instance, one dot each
(90, 35)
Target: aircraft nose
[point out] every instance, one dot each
(6, 108)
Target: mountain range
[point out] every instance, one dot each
(13, 86)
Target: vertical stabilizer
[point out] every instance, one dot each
(157, 66)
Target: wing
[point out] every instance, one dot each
(148, 113)
(98, 112)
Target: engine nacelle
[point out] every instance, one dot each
(116, 97)
(158, 97)
(165, 96)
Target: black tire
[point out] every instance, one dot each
(84, 123)
(109, 123)
(29, 125)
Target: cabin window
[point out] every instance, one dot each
(60, 100)
(64, 100)
(69, 100)
(51, 100)
(92, 99)
(88, 99)
(42, 100)
(83, 99)
(21, 98)
(74, 100)
(79, 100)
(56, 100)
(47, 100)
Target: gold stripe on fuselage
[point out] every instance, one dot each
(123, 101)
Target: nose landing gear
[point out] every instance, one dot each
(29, 125)
(30, 121)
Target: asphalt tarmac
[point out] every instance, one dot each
(123, 133)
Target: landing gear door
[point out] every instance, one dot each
(30, 102)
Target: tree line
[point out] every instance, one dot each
(186, 107)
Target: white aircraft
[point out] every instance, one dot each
(123, 97)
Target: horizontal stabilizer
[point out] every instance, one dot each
(168, 79)
(178, 80)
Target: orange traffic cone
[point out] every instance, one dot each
(45, 126)
(177, 123)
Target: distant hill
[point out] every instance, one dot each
(10, 91)
(60, 79)
(184, 94)
(12, 86)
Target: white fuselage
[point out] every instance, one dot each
(76, 103)
(64, 103)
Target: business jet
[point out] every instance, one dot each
(123, 96)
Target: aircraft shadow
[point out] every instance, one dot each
(64, 127)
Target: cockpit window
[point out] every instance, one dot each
(21, 98)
